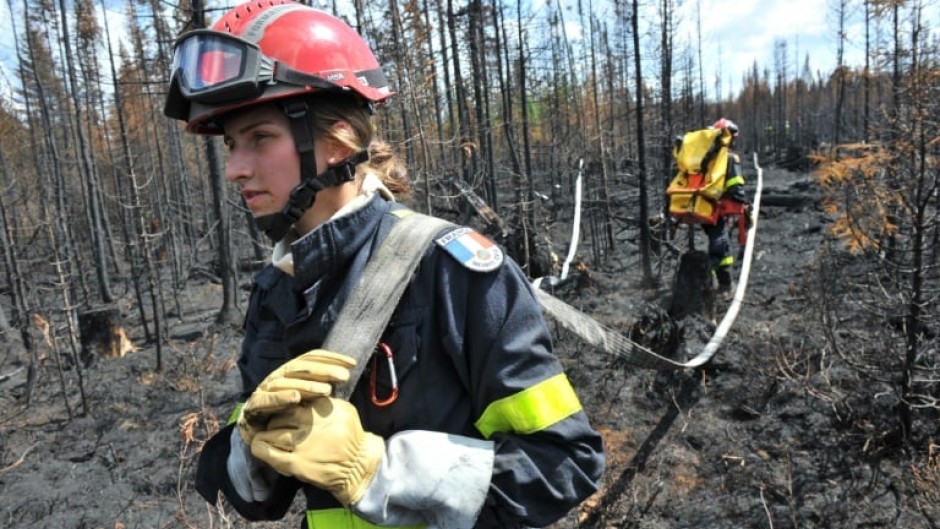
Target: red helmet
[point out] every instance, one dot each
(725, 123)
(261, 51)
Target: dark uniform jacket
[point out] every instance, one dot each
(461, 339)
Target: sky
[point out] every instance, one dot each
(747, 33)
(8, 80)
(735, 34)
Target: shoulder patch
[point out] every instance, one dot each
(471, 249)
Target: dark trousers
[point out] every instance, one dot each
(719, 246)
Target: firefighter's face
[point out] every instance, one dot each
(262, 158)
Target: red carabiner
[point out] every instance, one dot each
(391, 369)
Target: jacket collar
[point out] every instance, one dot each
(327, 249)
(371, 185)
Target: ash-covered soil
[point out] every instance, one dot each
(759, 437)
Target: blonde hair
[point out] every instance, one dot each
(326, 109)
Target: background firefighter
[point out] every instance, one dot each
(719, 244)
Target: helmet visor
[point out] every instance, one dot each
(214, 67)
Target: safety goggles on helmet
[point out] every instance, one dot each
(211, 68)
(214, 67)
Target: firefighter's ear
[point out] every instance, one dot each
(339, 139)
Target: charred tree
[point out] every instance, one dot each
(9, 226)
(602, 147)
(443, 30)
(467, 147)
(399, 55)
(841, 14)
(482, 134)
(227, 313)
(150, 194)
(645, 258)
(138, 247)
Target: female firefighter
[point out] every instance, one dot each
(472, 422)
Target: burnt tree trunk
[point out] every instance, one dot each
(645, 258)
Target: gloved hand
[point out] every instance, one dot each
(308, 376)
(322, 442)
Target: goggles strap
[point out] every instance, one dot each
(283, 74)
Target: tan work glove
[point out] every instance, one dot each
(322, 442)
(306, 377)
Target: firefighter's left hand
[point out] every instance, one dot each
(322, 442)
(748, 216)
(306, 377)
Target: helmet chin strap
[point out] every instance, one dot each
(276, 225)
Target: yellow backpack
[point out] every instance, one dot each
(702, 158)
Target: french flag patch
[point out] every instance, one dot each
(473, 250)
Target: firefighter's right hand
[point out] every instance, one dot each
(302, 379)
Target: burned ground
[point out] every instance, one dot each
(776, 431)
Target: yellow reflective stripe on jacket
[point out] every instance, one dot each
(340, 518)
(734, 181)
(235, 413)
(727, 261)
(532, 409)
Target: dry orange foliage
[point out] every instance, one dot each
(857, 193)
(196, 427)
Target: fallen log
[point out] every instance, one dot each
(790, 201)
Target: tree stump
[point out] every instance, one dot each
(692, 291)
(103, 335)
